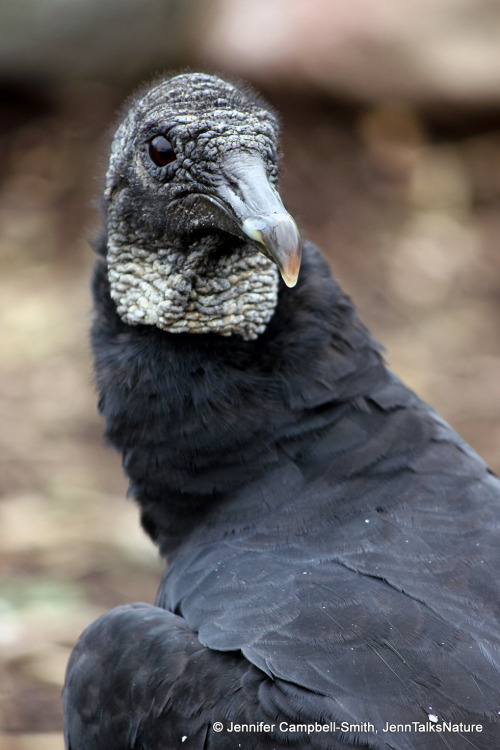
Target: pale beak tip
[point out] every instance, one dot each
(278, 233)
(290, 272)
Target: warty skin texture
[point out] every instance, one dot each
(332, 545)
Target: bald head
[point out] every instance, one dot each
(195, 223)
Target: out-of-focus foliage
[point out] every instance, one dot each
(404, 199)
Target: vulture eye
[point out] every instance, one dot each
(160, 151)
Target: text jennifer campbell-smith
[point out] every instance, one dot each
(345, 726)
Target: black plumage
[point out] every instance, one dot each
(332, 544)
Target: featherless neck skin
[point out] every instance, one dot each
(201, 290)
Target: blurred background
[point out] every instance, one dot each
(391, 141)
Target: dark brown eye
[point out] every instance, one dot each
(161, 151)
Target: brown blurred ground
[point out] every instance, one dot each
(408, 210)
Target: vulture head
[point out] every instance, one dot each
(197, 232)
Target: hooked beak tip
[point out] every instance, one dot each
(278, 233)
(290, 271)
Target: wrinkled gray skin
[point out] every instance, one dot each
(166, 225)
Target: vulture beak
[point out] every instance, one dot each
(260, 214)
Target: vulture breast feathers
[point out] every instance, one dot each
(332, 545)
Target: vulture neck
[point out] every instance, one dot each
(199, 418)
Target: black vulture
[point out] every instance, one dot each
(332, 546)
